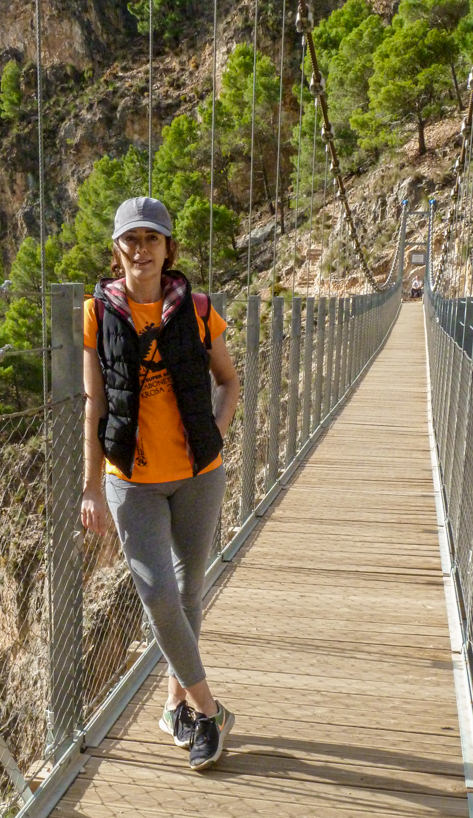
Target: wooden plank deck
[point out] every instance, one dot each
(327, 637)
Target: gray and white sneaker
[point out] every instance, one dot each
(179, 723)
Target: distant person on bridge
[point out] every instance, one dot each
(149, 412)
(416, 288)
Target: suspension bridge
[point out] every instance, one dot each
(338, 610)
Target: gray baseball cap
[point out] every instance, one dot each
(142, 212)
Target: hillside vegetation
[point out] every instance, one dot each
(388, 78)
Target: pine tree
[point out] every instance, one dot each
(444, 15)
(168, 16)
(25, 272)
(408, 82)
(348, 80)
(176, 174)
(330, 32)
(236, 99)
(192, 231)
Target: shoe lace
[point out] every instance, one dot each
(200, 729)
(186, 715)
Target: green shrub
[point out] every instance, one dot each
(10, 92)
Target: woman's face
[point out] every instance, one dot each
(143, 252)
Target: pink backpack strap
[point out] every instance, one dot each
(203, 304)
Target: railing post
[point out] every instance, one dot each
(358, 306)
(65, 567)
(338, 351)
(294, 366)
(368, 325)
(379, 319)
(328, 371)
(364, 301)
(346, 323)
(350, 335)
(308, 345)
(219, 302)
(352, 350)
(277, 331)
(319, 362)
(250, 405)
(402, 239)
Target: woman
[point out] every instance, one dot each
(149, 411)
(416, 288)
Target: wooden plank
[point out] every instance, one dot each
(349, 711)
(104, 802)
(138, 783)
(301, 763)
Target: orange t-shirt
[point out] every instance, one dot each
(161, 453)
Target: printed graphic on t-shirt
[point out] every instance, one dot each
(153, 373)
(161, 453)
(154, 376)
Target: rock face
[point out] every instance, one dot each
(79, 33)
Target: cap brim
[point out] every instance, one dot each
(160, 228)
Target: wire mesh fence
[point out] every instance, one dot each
(24, 631)
(451, 372)
(72, 624)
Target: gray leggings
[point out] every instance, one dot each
(166, 531)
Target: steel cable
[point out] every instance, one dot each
(278, 157)
(150, 102)
(322, 223)
(252, 154)
(298, 172)
(44, 330)
(212, 150)
(314, 146)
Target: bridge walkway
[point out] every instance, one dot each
(328, 637)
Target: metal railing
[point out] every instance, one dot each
(449, 324)
(74, 645)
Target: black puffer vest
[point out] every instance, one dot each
(185, 358)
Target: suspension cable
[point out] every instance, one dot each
(298, 173)
(212, 151)
(311, 217)
(340, 242)
(278, 158)
(322, 223)
(304, 25)
(150, 102)
(41, 196)
(466, 130)
(252, 155)
(466, 217)
(44, 328)
(345, 254)
(330, 249)
(470, 215)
